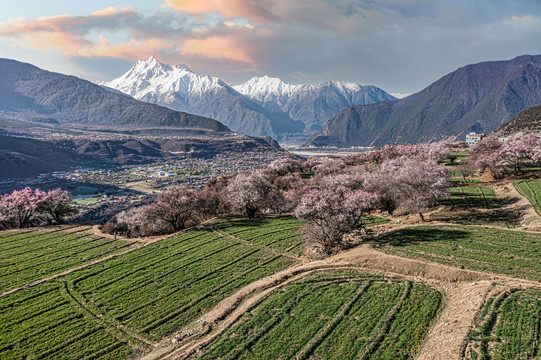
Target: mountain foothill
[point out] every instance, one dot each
(160, 99)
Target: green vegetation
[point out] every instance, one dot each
(27, 256)
(502, 218)
(276, 232)
(335, 315)
(42, 323)
(508, 327)
(85, 200)
(506, 252)
(374, 220)
(469, 205)
(156, 290)
(307, 175)
(472, 197)
(532, 190)
(139, 297)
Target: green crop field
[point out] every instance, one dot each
(532, 190)
(501, 218)
(27, 256)
(276, 232)
(509, 327)
(472, 197)
(139, 297)
(335, 315)
(43, 322)
(506, 252)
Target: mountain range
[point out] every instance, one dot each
(478, 97)
(261, 106)
(30, 96)
(312, 104)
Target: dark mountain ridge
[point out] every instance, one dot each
(527, 121)
(478, 97)
(32, 95)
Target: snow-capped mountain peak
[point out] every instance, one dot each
(263, 105)
(152, 77)
(260, 87)
(179, 88)
(313, 104)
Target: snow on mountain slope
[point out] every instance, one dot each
(261, 106)
(311, 104)
(151, 79)
(179, 88)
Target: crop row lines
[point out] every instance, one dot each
(330, 325)
(153, 265)
(118, 331)
(144, 281)
(386, 322)
(134, 256)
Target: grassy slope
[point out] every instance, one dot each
(140, 296)
(508, 327)
(335, 315)
(27, 256)
(505, 252)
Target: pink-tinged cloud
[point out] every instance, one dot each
(69, 35)
(112, 11)
(140, 37)
(254, 10)
(219, 48)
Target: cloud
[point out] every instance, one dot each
(400, 45)
(256, 10)
(123, 33)
(219, 48)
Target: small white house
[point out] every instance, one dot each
(473, 138)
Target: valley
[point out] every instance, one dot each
(231, 287)
(211, 179)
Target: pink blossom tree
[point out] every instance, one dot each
(250, 192)
(176, 206)
(417, 185)
(327, 165)
(21, 208)
(56, 205)
(331, 214)
(486, 154)
(291, 188)
(284, 166)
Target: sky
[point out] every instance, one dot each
(398, 45)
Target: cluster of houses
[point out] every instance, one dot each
(473, 138)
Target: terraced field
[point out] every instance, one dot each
(477, 197)
(505, 252)
(334, 315)
(43, 322)
(531, 189)
(139, 297)
(27, 256)
(509, 327)
(278, 233)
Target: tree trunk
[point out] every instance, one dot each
(421, 216)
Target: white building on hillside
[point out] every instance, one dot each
(473, 138)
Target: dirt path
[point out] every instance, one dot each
(516, 201)
(464, 292)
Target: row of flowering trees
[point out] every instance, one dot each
(31, 207)
(332, 201)
(330, 194)
(504, 157)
